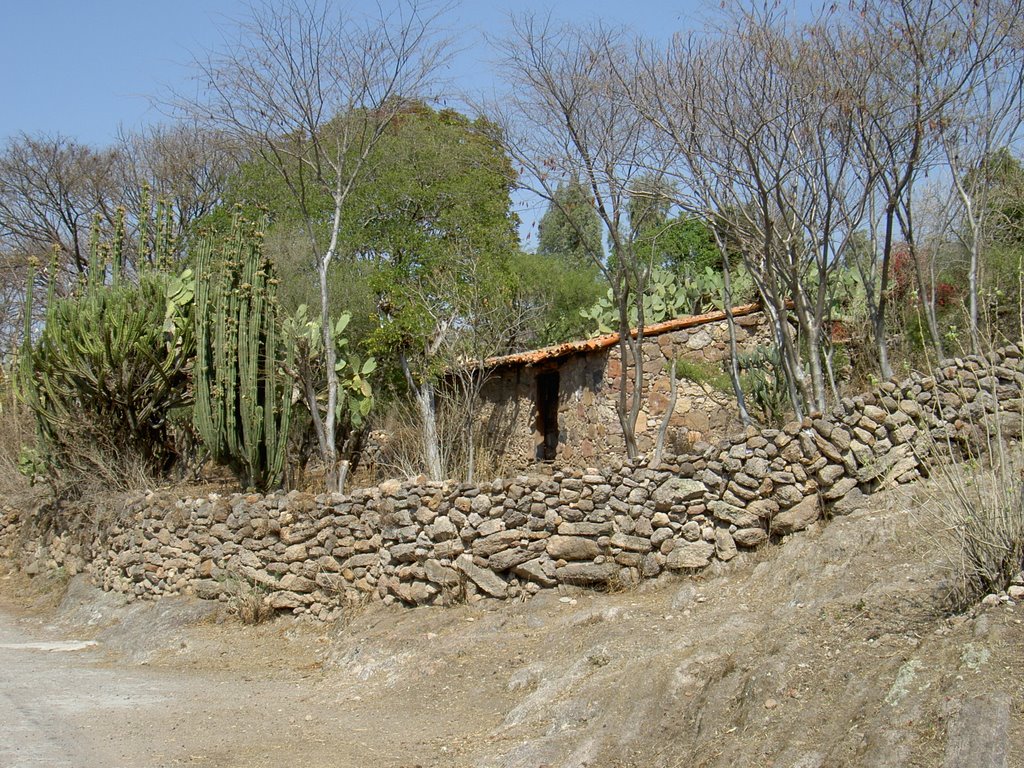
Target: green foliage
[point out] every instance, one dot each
(683, 245)
(670, 295)
(109, 368)
(570, 229)
(243, 394)
(760, 378)
(704, 373)
(355, 393)
(552, 294)
(764, 384)
(436, 219)
(427, 237)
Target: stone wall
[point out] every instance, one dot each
(419, 542)
(589, 387)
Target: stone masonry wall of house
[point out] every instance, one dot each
(420, 542)
(589, 387)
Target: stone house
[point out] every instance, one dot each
(558, 403)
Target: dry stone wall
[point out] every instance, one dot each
(421, 542)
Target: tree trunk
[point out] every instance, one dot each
(734, 363)
(428, 416)
(659, 445)
(626, 351)
(972, 289)
(329, 449)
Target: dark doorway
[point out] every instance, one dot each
(547, 415)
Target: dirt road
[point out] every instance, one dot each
(62, 703)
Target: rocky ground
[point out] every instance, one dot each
(832, 649)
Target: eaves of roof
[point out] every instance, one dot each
(598, 343)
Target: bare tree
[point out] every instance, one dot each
(51, 188)
(566, 118)
(185, 165)
(924, 61)
(764, 153)
(980, 119)
(310, 90)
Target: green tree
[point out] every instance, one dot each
(561, 278)
(686, 246)
(311, 90)
(435, 218)
(570, 229)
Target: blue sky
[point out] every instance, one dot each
(82, 68)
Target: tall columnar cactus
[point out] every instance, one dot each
(242, 394)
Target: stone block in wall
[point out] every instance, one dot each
(413, 593)
(508, 559)
(750, 537)
(572, 548)
(286, 600)
(676, 491)
(688, 555)
(725, 546)
(734, 515)
(441, 574)
(496, 542)
(797, 517)
(587, 574)
(486, 580)
(630, 543)
(540, 570)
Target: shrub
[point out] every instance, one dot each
(981, 516)
(106, 376)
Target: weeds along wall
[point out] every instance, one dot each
(420, 542)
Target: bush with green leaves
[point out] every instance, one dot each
(302, 331)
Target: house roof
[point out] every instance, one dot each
(599, 343)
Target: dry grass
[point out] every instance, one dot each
(978, 511)
(403, 454)
(249, 607)
(17, 430)
(976, 501)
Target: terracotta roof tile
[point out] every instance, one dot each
(609, 340)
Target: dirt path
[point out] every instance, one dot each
(62, 704)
